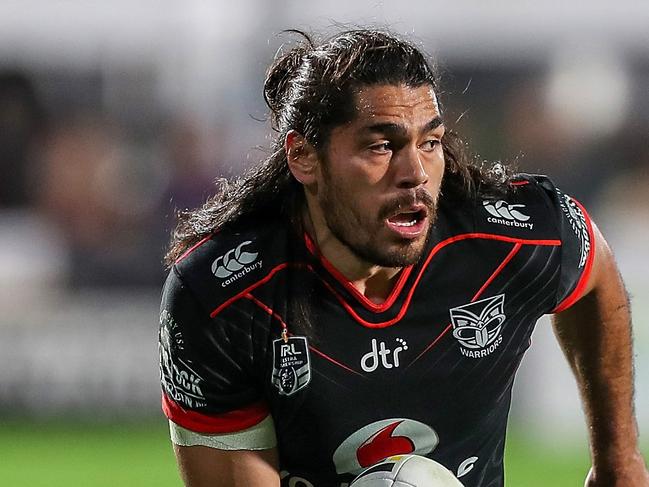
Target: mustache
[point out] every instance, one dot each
(407, 200)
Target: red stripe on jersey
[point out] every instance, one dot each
(519, 183)
(502, 265)
(270, 311)
(263, 280)
(377, 308)
(339, 364)
(194, 247)
(502, 238)
(435, 250)
(267, 309)
(432, 344)
(229, 422)
(404, 308)
(574, 296)
(495, 273)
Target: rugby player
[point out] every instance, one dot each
(369, 290)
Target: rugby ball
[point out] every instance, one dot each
(406, 471)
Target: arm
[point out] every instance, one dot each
(240, 458)
(595, 335)
(202, 466)
(222, 432)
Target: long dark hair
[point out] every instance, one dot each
(310, 89)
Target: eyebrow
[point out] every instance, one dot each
(397, 129)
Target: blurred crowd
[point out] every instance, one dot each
(95, 193)
(89, 187)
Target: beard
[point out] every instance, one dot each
(361, 233)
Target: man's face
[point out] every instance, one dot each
(381, 174)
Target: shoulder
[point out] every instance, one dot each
(527, 209)
(536, 191)
(227, 262)
(560, 208)
(533, 202)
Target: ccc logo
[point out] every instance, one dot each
(232, 261)
(501, 209)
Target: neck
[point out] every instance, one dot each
(373, 281)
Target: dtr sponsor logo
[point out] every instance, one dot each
(382, 355)
(234, 264)
(477, 326)
(507, 214)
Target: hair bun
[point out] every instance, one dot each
(282, 71)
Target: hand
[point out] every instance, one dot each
(632, 474)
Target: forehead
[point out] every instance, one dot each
(392, 102)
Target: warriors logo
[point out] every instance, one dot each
(477, 326)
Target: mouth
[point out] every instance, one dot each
(409, 222)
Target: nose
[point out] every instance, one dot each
(410, 170)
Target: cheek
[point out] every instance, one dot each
(355, 197)
(436, 172)
(439, 170)
(358, 179)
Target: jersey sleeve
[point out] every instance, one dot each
(577, 245)
(205, 366)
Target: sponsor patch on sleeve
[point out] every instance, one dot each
(578, 223)
(179, 379)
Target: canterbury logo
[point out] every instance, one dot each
(501, 209)
(233, 261)
(506, 214)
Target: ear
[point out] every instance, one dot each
(302, 158)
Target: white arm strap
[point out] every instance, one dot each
(258, 437)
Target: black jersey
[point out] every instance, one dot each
(429, 371)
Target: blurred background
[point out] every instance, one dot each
(113, 115)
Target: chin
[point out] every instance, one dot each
(385, 250)
(411, 256)
(401, 254)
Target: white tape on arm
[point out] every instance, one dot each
(258, 437)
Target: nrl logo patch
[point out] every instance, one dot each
(477, 326)
(291, 365)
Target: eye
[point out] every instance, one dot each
(382, 148)
(430, 145)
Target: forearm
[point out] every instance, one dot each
(595, 335)
(201, 466)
